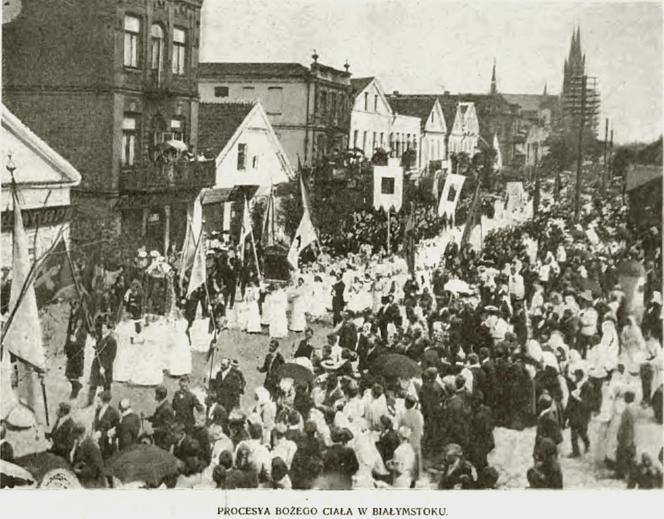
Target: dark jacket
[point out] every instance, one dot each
(348, 335)
(62, 437)
(579, 410)
(162, 420)
(304, 349)
(105, 352)
(184, 403)
(103, 423)
(128, 430)
(229, 388)
(270, 364)
(74, 351)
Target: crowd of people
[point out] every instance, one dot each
(542, 328)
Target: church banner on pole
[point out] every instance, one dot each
(450, 195)
(388, 186)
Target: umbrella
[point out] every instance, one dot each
(39, 463)
(395, 365)
(14, 475)
(457, 286)
(143, 462)
(297, 372)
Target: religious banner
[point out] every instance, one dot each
(450, 195)
(388, 186)
(515, 197)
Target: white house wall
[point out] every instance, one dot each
(374, 121)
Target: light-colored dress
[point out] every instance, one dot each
(320, 295)
(253, 313)
(298, 321)
(147, 368)
(124, 332)
(278, 314)
(179, 352)
(200, 336)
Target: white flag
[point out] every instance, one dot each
(305, 235)
(198, 269)
(450, 195)
(194, 226)
(245, 232)
(498, 161)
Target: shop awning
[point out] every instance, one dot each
(220, 195)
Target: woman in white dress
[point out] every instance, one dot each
(179, 352)
(199, 333)
(147, 369)
(253, 316)
(319, 298)
(125, 332)
(278, 314)
(298, 320)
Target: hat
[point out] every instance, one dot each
(154, 254)
(656, 297)
(142, 253)
(405, 432)
(586, 295)
(490, 308)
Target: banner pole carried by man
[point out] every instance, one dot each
(306, 232)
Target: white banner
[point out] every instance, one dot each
(388, 186)
(450, 195)
(515, 197)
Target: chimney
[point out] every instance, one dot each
(395, 93)
(447, 92)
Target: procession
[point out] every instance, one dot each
(470, 322)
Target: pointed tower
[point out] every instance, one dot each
(494, 87)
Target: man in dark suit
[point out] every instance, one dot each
(184, 403)
(338, 301)
(228, 385)
(347, 332)
(86, 459)
(548, 421)
(216, 413)
(162, 419)
(62, 434)
(101, 372)
(305, 348)
(106, 419)
(272, 361)
(579, 408)
(373, 351)
(458, 415)
(129, 428)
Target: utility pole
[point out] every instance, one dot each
(577, 196)
(605, 169)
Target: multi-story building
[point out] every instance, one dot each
(432, 128)
(112, 87)
(309, 108)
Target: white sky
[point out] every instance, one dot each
(430, 45)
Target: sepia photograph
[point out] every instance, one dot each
(331, 245)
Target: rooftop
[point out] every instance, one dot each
(360, 83)
(211, 70)
(415, 105)
(217, 123)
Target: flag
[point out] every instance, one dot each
(472, 219)
(498, 161)
(194, 227)
(450, 195)
(245, 231)
(23, 335)
(54, 277)
(267, 234)
(198, 269)
(305, 234)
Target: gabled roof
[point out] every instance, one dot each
(414, 105)
(210, 70)
(360, 83)
(449, 104)
(12, 124)
(218, 122)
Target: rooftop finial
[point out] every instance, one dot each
(314, 56)
(347, 66)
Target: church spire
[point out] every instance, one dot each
(494, 87)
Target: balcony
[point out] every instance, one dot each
(182, 175)
(161, 83)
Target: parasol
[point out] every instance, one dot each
(297, 372)
(39, 463)
(14, 475)
(457, 286)
(395, 365)
(143, 462)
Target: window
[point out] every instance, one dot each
(156, 47)
(333, 104)
(241, 156)
(129, 144)
(366, 101)
(375, 103)
(355, 136)
(382, 140)
(364, 142)
(179, 50)
(323, 102)
(177, 130)
(254, 161)
(132, 37)
(221, 91)
(275, 100)
(373, 142)
(433, 117)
